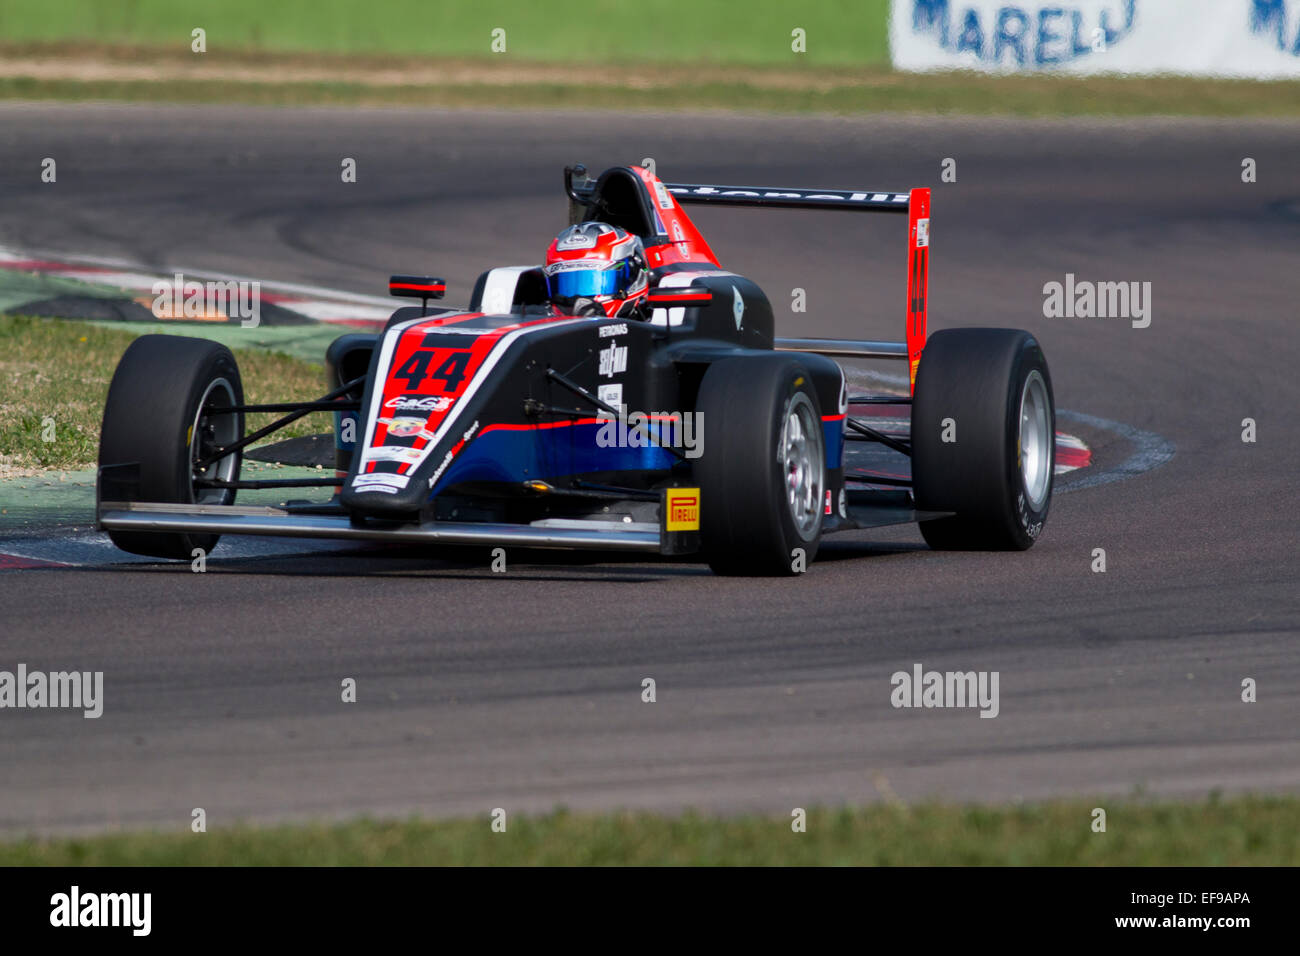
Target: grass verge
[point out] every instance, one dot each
(1242, 831)
(54, 377)
(152, 75)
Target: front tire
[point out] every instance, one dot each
(763, 472)
(165, 412)
(983, 439)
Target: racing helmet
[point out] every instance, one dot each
(594, 268)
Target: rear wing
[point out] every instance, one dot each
(915, 203)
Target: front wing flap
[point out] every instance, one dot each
(676, 532)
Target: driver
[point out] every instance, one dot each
(596, 269)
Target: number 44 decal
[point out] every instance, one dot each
(450, 369)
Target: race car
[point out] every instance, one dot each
(628, 394)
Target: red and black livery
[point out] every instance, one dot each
(686, 427)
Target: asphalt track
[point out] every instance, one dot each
(523, 690)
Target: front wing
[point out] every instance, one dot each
(866, 509)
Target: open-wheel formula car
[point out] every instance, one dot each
(676, 424)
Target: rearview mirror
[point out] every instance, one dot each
(417, 287)
(676, 298)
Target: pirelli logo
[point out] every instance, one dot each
(683, 509)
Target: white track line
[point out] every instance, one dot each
(1149, 453)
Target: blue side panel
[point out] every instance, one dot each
(497, 456)
(580, 451)
(833, 435)
(511, 455)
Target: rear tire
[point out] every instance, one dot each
(997, 475)
(763, 472)
(163, 413)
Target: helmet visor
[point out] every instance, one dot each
(583, 283)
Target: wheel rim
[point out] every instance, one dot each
(802, 464)
(213, 429)
(1034, 442)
